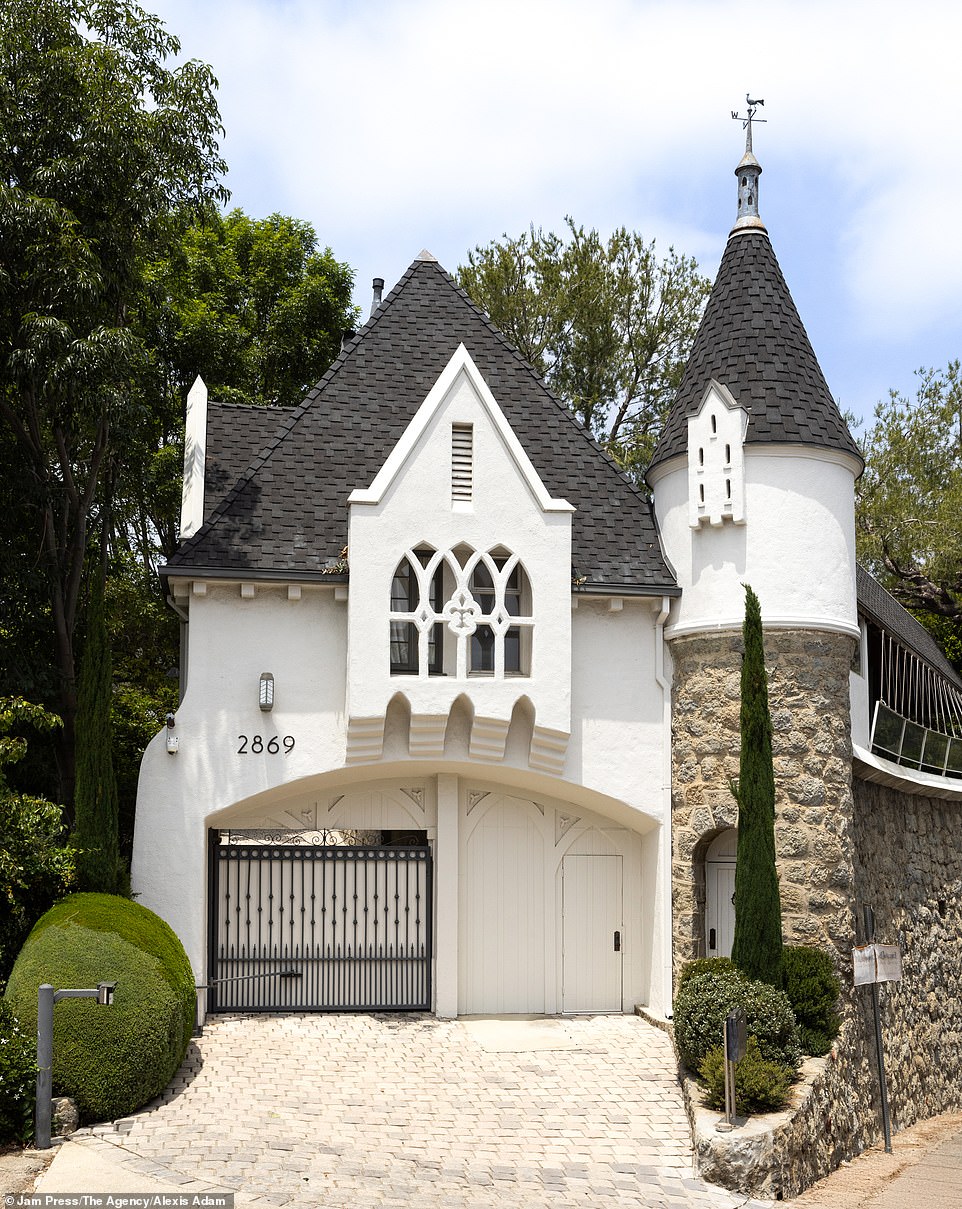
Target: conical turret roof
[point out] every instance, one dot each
(752, 340)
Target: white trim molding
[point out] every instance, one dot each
(461, 364)
(870, 767)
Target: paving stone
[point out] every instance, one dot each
(384, 1111)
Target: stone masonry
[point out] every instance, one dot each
(840, 843)
(909, 869)
(809, 702)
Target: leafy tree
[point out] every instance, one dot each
(607, 324)
(144, 641)
(757, 943)
(255, 308)
(910, 502)
(36, 867)
(99, 142)
(95, 834)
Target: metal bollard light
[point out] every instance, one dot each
(46, 998)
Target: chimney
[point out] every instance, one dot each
(378, 291)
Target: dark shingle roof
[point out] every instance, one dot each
(882, 608)
(236, 432)
(287, 513)
(751, 339)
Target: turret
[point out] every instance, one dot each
(754, 473)
(754, 483)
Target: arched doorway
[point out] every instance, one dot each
(720, 894)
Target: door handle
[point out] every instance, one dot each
(617, 942)
(711, 938)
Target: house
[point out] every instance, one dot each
(460, 705)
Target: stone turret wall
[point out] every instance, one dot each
(809, 702)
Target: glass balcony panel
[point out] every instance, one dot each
(912, 741)
(887, 739)
(934, 752)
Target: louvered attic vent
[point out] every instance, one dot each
(462, 462)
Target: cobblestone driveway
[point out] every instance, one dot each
(361, 1111)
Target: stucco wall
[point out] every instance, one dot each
(616, 765)
(796, 547)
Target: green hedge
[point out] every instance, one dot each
(111, 1060)
(813, 988)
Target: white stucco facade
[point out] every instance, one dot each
(795, 545)
(542, 791)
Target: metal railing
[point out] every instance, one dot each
(915, 746)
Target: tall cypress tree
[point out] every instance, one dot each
(95, 830)
(757, 945)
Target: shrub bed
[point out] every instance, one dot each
(111, 1060)
(703, 1002)
(18, 1078)
(760, 1085)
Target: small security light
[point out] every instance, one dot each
(265, 698)
(105, 993)
(171, 721)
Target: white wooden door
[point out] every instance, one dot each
(719, 908)
(502, 950)
(592, 934)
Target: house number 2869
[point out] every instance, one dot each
(255, 745)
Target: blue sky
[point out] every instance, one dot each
(394, 125)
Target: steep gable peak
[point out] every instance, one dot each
(460, 366)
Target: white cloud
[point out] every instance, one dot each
(392, 124)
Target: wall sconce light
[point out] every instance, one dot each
(265, 697)
(173, 743)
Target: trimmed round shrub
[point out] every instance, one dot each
(760, 1085)
(704, 965)
(705, 1000)
(111, 1060)
(18, 1077)
(813, 989)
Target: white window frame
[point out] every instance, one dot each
(466, 608)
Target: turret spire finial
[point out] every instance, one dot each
(748, 172)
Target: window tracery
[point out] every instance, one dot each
(460, 612)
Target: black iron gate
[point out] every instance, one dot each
(325, 929)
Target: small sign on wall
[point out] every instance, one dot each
(877, 963)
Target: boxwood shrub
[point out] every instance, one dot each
(703, 1002)
(18, 1077)
(111, 1060)
(705, 965)
(813, 989)
(760, 1085)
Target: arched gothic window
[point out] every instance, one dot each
(460, 613)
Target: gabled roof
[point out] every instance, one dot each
(752, 340)
(882, 608)
(287, 513)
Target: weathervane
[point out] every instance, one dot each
(747, 122)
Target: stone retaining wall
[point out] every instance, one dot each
(908, 868)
